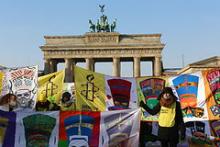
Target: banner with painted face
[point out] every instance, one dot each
(34, 129)
(190, 90)
(23, 84)
(121, 93)
(148, 90)
(212, 89)
(79, 129)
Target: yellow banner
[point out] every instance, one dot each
(50, 87)
(1, 81)
(90, 90)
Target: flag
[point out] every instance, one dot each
(90, 90)
(50, 87)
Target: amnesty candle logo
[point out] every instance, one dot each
(90, 90)
(50, 87)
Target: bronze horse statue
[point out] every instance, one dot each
(103, 25)
(92, 26)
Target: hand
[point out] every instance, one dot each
(142, 104)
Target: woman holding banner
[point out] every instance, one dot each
(170, 118)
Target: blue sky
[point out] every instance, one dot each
(189, 28)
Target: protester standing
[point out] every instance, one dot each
(170, 118)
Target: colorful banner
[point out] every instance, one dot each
(79, 129)
(90, 90)
(50, 87)
(120, 128)
(37, 129)
(212, 89)
(148, 89)
(190, 90)
(4, 89)
(7, 128)
(23, 84)
(70, 128)
(121, 93)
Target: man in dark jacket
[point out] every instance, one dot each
(170, 118)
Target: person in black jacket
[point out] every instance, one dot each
(170, 118)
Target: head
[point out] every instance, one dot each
(167, 97)
(23, 97)
(67, 99)
(12, 100)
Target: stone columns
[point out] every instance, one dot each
(136, 67)
(157, 66)
(116, 67)
(53, 65)
(69, 66)
(90, 64)
(46, 66)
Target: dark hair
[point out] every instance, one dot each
(167, 90)
(66, 95)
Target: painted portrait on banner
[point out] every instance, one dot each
(120, 128)
(190, 90)
(23, 84)
(212, 92)
(121, 93)
(79, 129)
(7, 129)
(148, 89)
(37, 129)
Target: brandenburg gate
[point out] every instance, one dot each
(102, 44)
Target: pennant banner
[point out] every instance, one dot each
(90, 90)
(50, 88)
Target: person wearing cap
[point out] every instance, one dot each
(170, 118)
